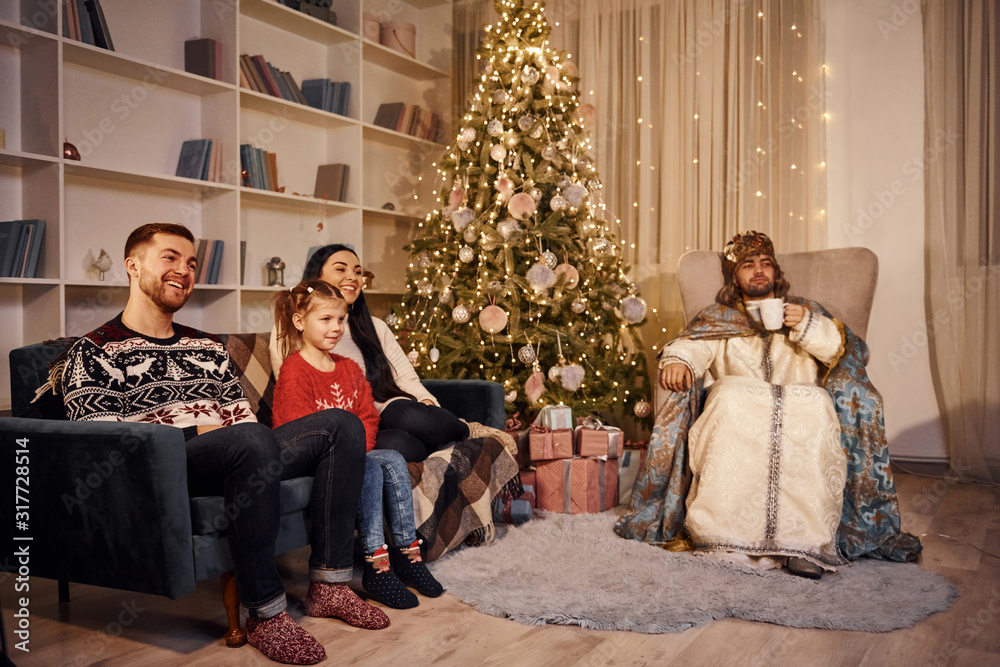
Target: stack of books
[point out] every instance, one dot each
(260, 168)
(261, 76)
(203, 57)
(20, 247)
(408, 119)
(83, 20)
(209, 254)
(332, 96)
(200, 159)
(331, 182)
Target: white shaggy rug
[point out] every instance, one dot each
(574, 570)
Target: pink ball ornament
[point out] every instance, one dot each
(586, 115)
(569, 274)
(521, 206)
(505, 187)
(570, 68)
(492, 319)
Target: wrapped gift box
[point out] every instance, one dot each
(556, 417)
(601, 441)
(545, 444)
(628, 469)
(519, 510)
(577, 486)
(528, 477)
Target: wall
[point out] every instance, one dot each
(875, 141)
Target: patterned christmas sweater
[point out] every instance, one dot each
(302, 390)
(116, 374)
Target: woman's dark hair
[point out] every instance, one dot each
(378, 370)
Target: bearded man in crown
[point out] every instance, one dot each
(772, 442)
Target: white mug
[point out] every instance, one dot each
(772, 313)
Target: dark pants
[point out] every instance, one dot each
(417, 430)
(246, 462)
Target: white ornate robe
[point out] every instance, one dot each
(768, 466)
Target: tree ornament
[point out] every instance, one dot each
(571, 377)
(529, 75)
(642, 409)
(424, 260)
(456, 197)
(391, 320)
(551, 75)
(446, 297)
(494, 288)
(570, 69)
(499, 96)
(586, 115)
(434, 355)
(565, 181)
(535, 385)
(508, 228)
(594, 184)
(466, 137)
(540, 277)
(633, 309)
(526, 122)
(425, 289)
(558, 203)
(599, 245)
(535, 194)
(505, 187)
(521, 206)
(574, 194)
(494, 128)
(526, 354)
(536, 132)
(570, 276)
(550, 259)
(492, 319)
(549, 152)
(470, 234)
(462, 218)
(466, 254)
(578, 305)
(554, 373)
(460, 314)
(414, 358)
(510, 396)
(498, 153)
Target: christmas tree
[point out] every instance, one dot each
(518, 277)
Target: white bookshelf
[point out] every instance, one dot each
(128, 112)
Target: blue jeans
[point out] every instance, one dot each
(417, 430)
(245, 463)
(387, 485)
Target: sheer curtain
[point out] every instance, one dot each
(962, 157)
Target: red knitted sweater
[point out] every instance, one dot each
(302, 390)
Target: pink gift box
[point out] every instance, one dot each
(577, 486)
(545, 444)
(605, 441)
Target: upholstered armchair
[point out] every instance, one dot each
(842, 279)
(109, 504)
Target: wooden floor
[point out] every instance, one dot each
(107, 627)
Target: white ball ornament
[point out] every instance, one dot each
(529, 75)
(499, 96)
(536, 132)
(642, 409)
(574, 194)
(540, 277)
(466, 254)
(535, 194)
(414, 358)
(498, 153)
(526, 354)
(425, 289)
(558, 203)
(466, 137)
(492, 319)
(494, 128)
(550, 259)
(510, 396)
(434, 355)
(470, 235)
(549, 152)
(569, 273)
(521, 206)
(447, 297)
(460, 314)
(554, 373)
(391, 320)
(633, 309)
(578, 305)
(525, 122)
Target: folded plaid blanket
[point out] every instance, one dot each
(453, 492)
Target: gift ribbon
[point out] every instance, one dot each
(514, 424)
(567, 490)
(548, 444)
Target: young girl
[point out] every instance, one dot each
(310, 321)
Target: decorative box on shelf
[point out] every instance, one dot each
(577, 486)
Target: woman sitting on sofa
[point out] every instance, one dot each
(411, 420)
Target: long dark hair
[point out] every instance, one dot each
(731, 295)
(378, 370)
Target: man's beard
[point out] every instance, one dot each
(156, 290)
(757, 290)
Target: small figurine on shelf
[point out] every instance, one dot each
(70, 152)
(275, 273)
(368, 279)
(102, 264)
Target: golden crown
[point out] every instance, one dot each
(748, 244)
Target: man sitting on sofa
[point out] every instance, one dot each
(143, 367)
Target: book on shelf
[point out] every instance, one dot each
(409, 119)
(71, 20)
(20, 247)
(327, 95)
(261, 168)
(388, 115)
(84, 24)
(199, 276)
(331, 182)
(215, 264)
(203, 57)
(102, 36)
(200, 159)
